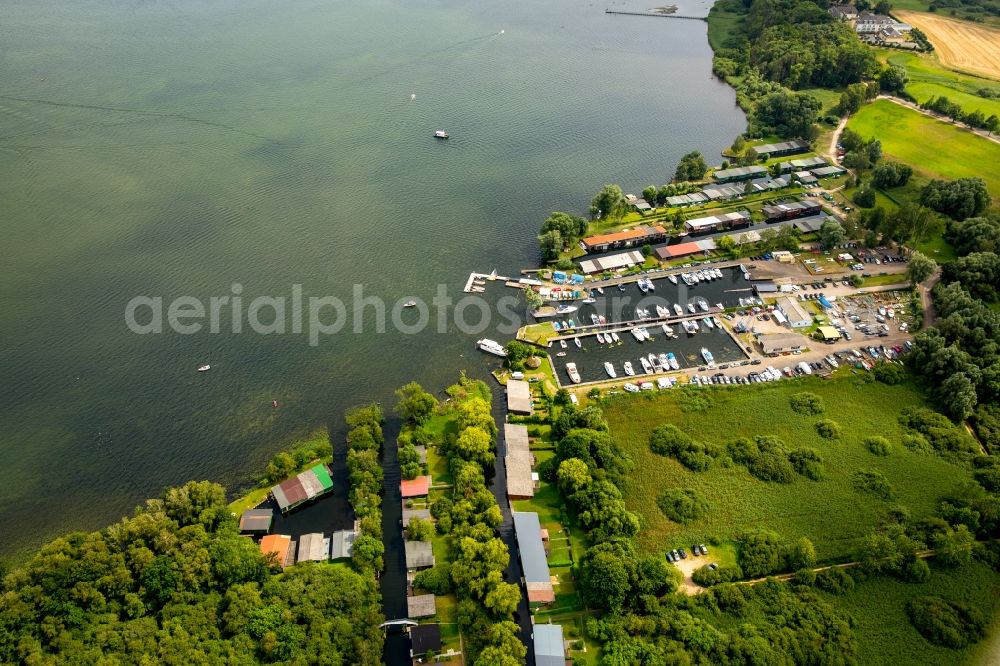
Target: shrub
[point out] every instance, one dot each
(807, 403)
(669, 440)
(808, 463)
(889, 373)
(948, 623)
(940, 433)
(761, 554)
(872, 481)
(436, 580)
(880, 446)
(835, 581)
(765, 457)
(681, 506)
(917, 443)
(828, 429)
(707, 577)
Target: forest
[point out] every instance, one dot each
(176, 584)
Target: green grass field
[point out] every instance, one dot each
(830, 512)
(942, 151)
(884, 633)
(928, 78)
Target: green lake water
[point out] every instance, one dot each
(174, 148)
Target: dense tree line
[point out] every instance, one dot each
(691, 167)
(176, 584)
(470, 518)
(364, 469)
(976, 118)
(958, 199)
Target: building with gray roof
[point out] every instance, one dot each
(550, 650)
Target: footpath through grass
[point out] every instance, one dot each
(830, 512)
(933, 148)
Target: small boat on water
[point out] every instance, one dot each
(646, 367)
(572, 324)
(600, 291)
(718, 322)
(491, 347)
(691, 308)
(643, 286)
(600, 338)
(601, 320)
(579, 345)
(639, 337)
(594, 318)
(440, 134)
(566, 309)
(654, 362)
(645, 333)
(672, 278)
(610, 369)
(590, 300)
(562, 343)
(628, 369)
(573, 374)
(690, 327)
(703, 305)
(409, 304)
(641, 313)
(664, 362)
(561, 354)
(621, 287)
(669, 332)
(707, 355)
(615, 338)
(662, 312)
(204, 368)
(674, 365)
(707, 321)
(678, 310)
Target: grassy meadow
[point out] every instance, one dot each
(884, 633)
(929, 78)
(830, 512)
(942, 151)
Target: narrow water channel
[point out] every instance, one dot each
(393, 581)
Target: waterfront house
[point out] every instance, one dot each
(256, 521)
(550, 649)
(519, 397)
(537, 580)
(418, 487)
(425, 638)
(419, 555)
(668, 252)
(420, 605)
(781, 149)
(342, 544)
(734, 220)
(795, 314)
(518, 461)
(302, 488)
(281, 546)
(313, 547)
(408, 514)
(636, 237)
(612, 262)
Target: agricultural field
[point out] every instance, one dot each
(886, 636)
(831, 512)
(943, 151)
(928, 78)
(966, 47)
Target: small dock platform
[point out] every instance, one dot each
(657, 15)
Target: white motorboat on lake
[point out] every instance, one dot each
(610, 369)
(662, 312)
(600, 338)
(579, 345)
(562, 343)
(691, 308)
(707, 355)
(668, 331)
(646, 367)
(678, 310)
(615, 338)
(491, 347)
(639, 337)
(566, 309)
(707, 321)
(672, 278)
(628, 369)
(204, 368)
(440, 134)
(674, 365)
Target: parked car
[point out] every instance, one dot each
(704, 550)
(683, 553)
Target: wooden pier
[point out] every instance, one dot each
(656, 15)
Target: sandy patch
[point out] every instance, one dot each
(687, 567)
(961, 45)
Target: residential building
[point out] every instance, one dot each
(519, 397)
(783, 148)
(738, 174)
(844, 12)
(302, 488)
(550, 649)
(636, 237)
(419, 555)
(790, 211)
(715, 222)
(794, 312)
(425, 638)
(420, 605)
(537, 580)
(612, 262)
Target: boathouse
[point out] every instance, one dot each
(342, 544)
(418, 487)
(550, 650)
(425, 638)
(537, 580)
(302, 488)
(612, 262)
(313, 548)
(256, 521)
(420, 605)
(519, 397)
(419, 555)
(281, 546)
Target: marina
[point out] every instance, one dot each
(597, 362)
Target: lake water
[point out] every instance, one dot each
(177, 147)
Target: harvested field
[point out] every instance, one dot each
(959, 44)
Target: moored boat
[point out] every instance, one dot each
(628, 368)
(674, 365)
(204, 368)
(646, 367)
(668, 331)
(440, 134)
(610, 369)
(573, 374)
(579, 345)
(678, 310)
(707, 355)
(600, 338)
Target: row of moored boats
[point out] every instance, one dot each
(703, 275)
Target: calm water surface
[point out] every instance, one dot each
(176, 147)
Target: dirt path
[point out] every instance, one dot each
(961, 45)
(945, 119)
(926, 302)
(832, 150)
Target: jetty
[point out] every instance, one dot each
(657, 15)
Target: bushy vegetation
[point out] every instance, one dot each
(828, 429)
(879, 446)
(691, 167)
(681, 505)
(958, 199)
(175, 583)
(707, 577)
(873, 482)
(669, 440)
(947, 623)
(288, 463)
(806, 403)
